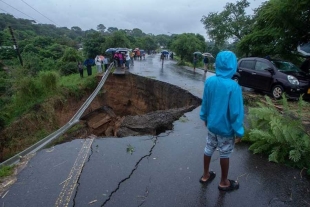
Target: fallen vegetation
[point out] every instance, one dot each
(280, 129)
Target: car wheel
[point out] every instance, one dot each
(277, 91)
(235, 78)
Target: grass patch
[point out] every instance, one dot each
(6, 171)
(75, 84)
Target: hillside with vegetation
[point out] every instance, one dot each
(49, 73)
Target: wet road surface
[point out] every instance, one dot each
(158, 170)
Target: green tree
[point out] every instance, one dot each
(149, 43)
(56, 50)
(112, 30)
(118, 39)
(71, 55)
(30, 48)
(186, 44)
(101, 28)
(68, 63)
(137, 32)
(76, 29)
(163, 40)
(6, 46)
(93, 45)
(280, 26)
(232, 22)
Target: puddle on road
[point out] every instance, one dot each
(132, 105)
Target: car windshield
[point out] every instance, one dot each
(286, 66)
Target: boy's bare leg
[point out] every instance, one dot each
(206, 164)
(224, 168)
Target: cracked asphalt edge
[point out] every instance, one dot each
(131, 173)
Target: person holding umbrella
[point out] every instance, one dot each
(162, 58)
(195, 61)
(88, 63)
(206, 62)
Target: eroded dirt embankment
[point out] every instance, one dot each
(127, 105)
(134, 105)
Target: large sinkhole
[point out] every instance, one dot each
(132, 105)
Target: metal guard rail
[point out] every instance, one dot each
(74, 120)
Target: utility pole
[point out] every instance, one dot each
(15, 46)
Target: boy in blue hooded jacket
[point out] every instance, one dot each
(222, 112)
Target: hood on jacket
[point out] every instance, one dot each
(226, 64)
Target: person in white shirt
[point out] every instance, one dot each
(98, 64)
(127, 59)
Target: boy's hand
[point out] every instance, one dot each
(237, 140)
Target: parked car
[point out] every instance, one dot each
(274, 76)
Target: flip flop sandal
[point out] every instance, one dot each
(212, 176)
(234, 185)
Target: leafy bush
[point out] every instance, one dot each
(32, 63)
(2, 122)
(4, 82)
(280, 135)
(28, 88)
(71, 55)
(49, 81)
(68, 68)
(49, 64)
(30, 91)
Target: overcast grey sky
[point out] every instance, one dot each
(151, 16)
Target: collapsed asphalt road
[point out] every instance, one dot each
(158, 170)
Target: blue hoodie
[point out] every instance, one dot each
(222, 103)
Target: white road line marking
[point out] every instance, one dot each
(70, 183)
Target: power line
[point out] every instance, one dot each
(4, 10)
(18, 10)
(39, 12)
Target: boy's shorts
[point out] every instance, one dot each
(224, 144)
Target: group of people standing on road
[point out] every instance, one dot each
(99, 61)
(123, 59)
